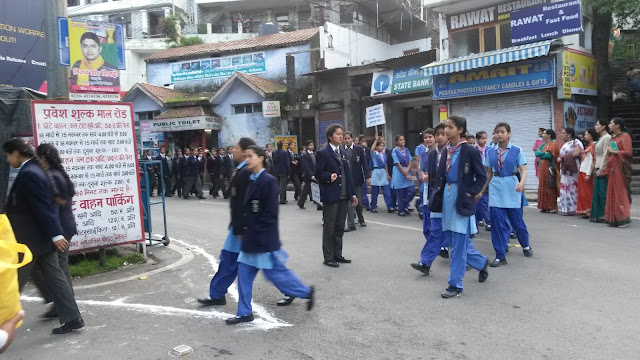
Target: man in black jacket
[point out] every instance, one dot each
(214, 168)
(294, 171)
(35, 221)
(308, 166)
(228, 268)
(177, 173)
(164, 176)
(151, 170)
(359, 174)
(228, 165)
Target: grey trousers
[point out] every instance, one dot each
(38, 278)
(334, 216)
(57, 283)
(283, 180)
(351, 216)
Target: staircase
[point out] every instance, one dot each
(630, 112)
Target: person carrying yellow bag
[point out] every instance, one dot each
(35, 221)
(10, 309)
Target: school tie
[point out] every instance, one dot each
(451, 151)
(500, 161)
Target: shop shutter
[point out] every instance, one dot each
(325, 119)
(525, 111)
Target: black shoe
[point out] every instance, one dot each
(201, 197)
(312, 299)
(213, 301)
(319, 208)
(331, 263)
(421, 267)
(362, 223)
(484, 273)
(410, 210)
(186, 197)
(286, 301)
(451, 292)
(498, 262)
(301, 207)
(69, 326)
(420, 216)
(169, 195)
(374, 211)
(349, 229)
(488, 227)
(513, 236)
(402, 214)
(444, 253)
(51, 314)
(343, 260)
(226, 197)
(391, 210)
(239, 319)
(528, 252)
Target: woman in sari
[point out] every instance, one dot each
(536, 146)
(600, 181)
(547, 155)
(569, 164)
(585, 177)
(618, 209)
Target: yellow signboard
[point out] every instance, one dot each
(286, 139)
(579, 74)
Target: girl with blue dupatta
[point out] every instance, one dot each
(401, 179)
(379, 177)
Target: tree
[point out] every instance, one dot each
(626, 13)
(188, 41)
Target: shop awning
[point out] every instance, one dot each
(489, 58)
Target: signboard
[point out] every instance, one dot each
(490, 14)
(547, 21)
(504, 78)
(400, 81)
(579, 74)
(194, 123)
(94, 96)
(579, 117)
(65, 51)
(271, 109)
(98, 151)
(94, 57)
(23, 57)
(218, 67)
(375, 115)
(444, 113)
(315, 193)
(286, 139)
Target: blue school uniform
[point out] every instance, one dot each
(261, 244)
(403, 187)
(505, 203)
(457, 228)
(419, 151)
(482, 207)
(379, 180)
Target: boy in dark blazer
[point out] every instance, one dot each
(359, 174)
(164, 176)
(308, 166)
(36, 223)
(282, 168)
(336, 191)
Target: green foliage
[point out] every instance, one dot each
(627, 48)
(171, 27)
(92, 266)
(188, 41)
(625, 12)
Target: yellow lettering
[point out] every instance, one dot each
(500, 72)
(511, 70)
(478, 75)
(456, 78)
(524, 69)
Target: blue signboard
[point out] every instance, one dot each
(548, 21)
(510, 77)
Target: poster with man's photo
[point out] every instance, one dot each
(94, 57)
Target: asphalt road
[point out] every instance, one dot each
(574, 299)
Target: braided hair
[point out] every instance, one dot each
(50, 154)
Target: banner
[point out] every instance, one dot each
(94, 54)
(579, 117)
(504, 78)
(546, 22)
(65, 51)
(271, 109)
(579, 74)
(98, 151)
(218, 67)
(286, 139)
(23, 48)
(375, 115)
(194, 123)
(489, 14)
(400, 81)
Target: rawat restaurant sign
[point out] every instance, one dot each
(271, 109)
(547, 21)
(194, 123)
(524, 75)
(400, 81)
(489, 14)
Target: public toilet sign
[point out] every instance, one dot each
(400, 81)
(548, 21)
(375, 115)
(193, 123)
(271, 109)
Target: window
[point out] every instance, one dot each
(346, 14)
(147, 115)
(247, 109)
(480, 39)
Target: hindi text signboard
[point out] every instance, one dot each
(97, 146)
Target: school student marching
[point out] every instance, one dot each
(261, 248)
(459, 178)
(401, 180)
(379, 176)
(420, 149)
(228, 268)
(506, 193)
(367, 154)
(483, 216)
(432, 220)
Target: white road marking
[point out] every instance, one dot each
(258, 324)
(420, 230)
(186, 257)
(233, 289)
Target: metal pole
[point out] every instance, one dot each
(57, 78)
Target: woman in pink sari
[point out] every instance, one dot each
(617, 212)
(569, 165)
